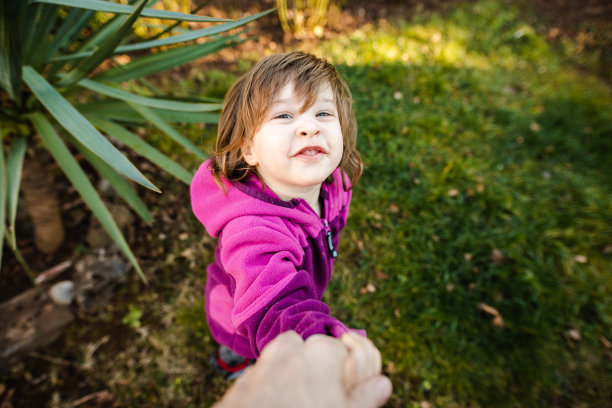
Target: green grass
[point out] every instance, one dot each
(478, 136)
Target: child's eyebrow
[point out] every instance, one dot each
(290, 100)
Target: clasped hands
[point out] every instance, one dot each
(320, 372)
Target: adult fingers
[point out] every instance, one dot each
(364, 359)
(282, 346)
(325, 351)
(372, 393)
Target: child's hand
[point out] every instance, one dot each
(363, 362)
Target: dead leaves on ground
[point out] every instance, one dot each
(498, 321)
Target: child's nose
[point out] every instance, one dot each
(307, 129)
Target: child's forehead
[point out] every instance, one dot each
(288, 93)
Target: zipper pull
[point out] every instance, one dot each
(330, 244)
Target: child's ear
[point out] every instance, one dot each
(248, 155)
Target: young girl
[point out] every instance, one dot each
(276, 193)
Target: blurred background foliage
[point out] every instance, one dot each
(478, 249)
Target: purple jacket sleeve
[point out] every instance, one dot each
(271, 295)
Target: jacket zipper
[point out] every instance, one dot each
(330, 244)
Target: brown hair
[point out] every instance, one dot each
(250, 97)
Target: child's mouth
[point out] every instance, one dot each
(310, 151)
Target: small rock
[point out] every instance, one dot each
(62, 292)
(497, 257)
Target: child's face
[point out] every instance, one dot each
(295, 151)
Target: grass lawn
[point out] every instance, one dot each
(478, 252)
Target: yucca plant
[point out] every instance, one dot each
(51, 52)
(302, 15)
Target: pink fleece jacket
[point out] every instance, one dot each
(273, 260)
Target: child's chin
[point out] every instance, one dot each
(311, 181)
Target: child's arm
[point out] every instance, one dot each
(271, 294)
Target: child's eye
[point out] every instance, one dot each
(283, 116)
(324, 113)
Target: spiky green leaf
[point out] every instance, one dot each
(190, 36)
(35, 54)
(162, 125)
(107, 6)
(79, 179)
(119, 184)
(14, 167)
(143, 148)
(121, 112)
(143, 100)
(154, 63)
(2, 198)
(10, 49)
(73, 22)
(66, 36)
(76, 124)
(104, 50)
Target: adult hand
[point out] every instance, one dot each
(292, 372)
(364, 360)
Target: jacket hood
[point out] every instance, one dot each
(214, 208)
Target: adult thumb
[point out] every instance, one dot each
(372, 393)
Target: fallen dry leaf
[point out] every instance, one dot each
(453, 192)
(497, 257)
(359, 244)
(380, 275)
(498, 321)
(394, 208)
(488, 309)
(574, 334)
(369, 288)
(581, 259)
(467, 256)
(606, 343)
(188, 253)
